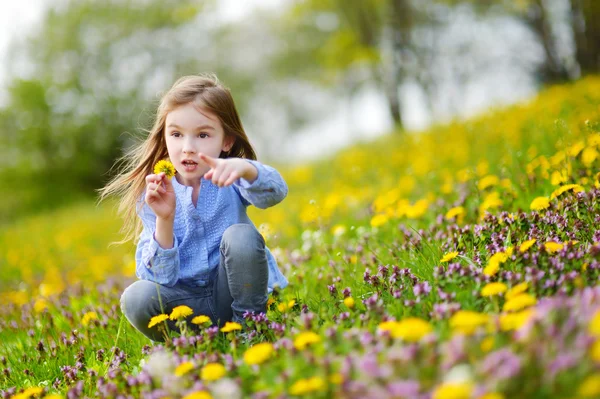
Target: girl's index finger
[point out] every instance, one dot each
(210, 161)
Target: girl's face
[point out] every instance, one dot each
(189, 132)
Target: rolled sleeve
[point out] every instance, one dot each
(267, 190)
(154, 263)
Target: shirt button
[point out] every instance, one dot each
(196, 216)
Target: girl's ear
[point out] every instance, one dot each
(228, 143)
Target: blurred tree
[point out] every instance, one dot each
(91, 68)
(586, 29)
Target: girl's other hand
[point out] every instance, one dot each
(225, 171)
(162, 199)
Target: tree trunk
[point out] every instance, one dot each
(585, 20)
(554, 69)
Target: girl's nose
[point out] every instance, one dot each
(188, 148)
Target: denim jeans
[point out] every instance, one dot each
(239, 285)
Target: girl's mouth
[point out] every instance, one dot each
(189, 166)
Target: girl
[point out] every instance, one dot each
(197, 246)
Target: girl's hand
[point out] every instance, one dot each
(224, 171)
(162, 199)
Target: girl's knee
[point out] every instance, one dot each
(242, 236)
(137, 298)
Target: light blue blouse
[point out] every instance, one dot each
(198, 229)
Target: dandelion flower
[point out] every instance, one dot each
(594, 326)
(166, 167)
(411, 329)
(458, 390)
(457, 211)
(519, 302)
(212, 372)
(201, 319)
(349, 302)
(493, 289)
(198, 395)
(563, 189)
(284, 307)
(181, 312)
(307, 385)
(590, 388)
(526, 245)
(258, 354)
(466, 321)
(184, 368)
(231, 326)
(89, 316)
(517, 289)
(306, 338)
(379, 220)
(539, 203)
(552, 247)
(157, 319)
(448, 257)
(514, 321)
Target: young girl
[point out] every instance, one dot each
(197, 246)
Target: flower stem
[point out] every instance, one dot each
(159, 183)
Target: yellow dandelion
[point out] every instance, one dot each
(563, 189)
(270, 301)
(306, 338)
(181, 312)
(349, 302)
(307, 385)
(595, 352)
(258, 354)
(594, 325)
(491, 395)
(456, 212)
(467, 321)
(411, 329)
(519, 302)
(458, 390)
(493, 289)
(202, 319)
(590, 388)
(157, 319)
(526, 245)
(552, 247)
(487, 181)
(166, 167)
(89, 316)
(198, 395)
(448, 257)
(285, 306)
(514, 321)
(231, 326)
(184, 368)
(212, 371)
(539, 203)
(40, 304)
(517, 289)
(379, 220)
(336, 378)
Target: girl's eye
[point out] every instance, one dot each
(203, 135)
(175, 134)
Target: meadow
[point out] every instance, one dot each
(459, 262)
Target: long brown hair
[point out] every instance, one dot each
(205, 92)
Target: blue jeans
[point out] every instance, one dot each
(239, 285)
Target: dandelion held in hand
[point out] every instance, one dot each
(166, 167)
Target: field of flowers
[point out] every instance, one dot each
(460, 262)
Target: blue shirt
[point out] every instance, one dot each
(198, 229)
